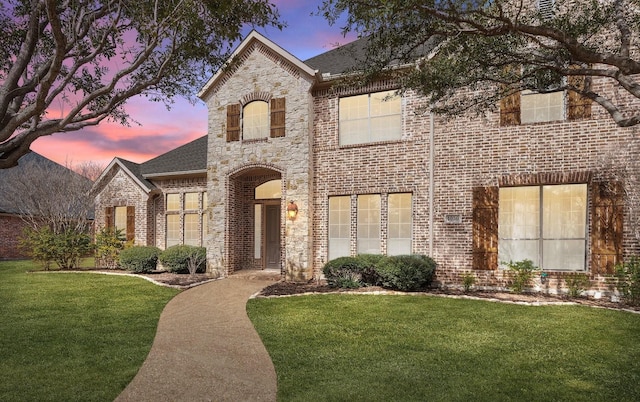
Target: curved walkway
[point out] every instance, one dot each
(206, 349)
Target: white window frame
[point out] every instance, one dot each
(536, 224)
(255, 123)
(369, 121)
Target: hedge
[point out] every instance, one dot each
(139, 259)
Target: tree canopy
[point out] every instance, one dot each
(68, 64)
(495, 48)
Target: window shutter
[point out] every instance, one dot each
(485, 228)
(131, 223)
(233, 122)
(108, 217)
(607, 229)
(277, 117)
(578, 106)
(510, 110)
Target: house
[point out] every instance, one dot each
(295, 171)
(35, 191)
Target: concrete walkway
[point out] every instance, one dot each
(206, 349)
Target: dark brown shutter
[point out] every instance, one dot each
(607, 200)
(510, 110)
(578, 106)
(108, 217)
(485, 228)
(131, 223)
(277, 117)
(233, 122)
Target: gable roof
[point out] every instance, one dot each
(132, 169)
(18, 177)
(341, 59)
(190, 158)
(253, 37)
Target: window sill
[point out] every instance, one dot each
(368, 144)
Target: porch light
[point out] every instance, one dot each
(292, 211)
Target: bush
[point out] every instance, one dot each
(576, 284)
(523, 273)
(406, 272)
(109, 243)
(628, 284)
(139, 259)
(177, 259)
(468, 280)
(65, 249)
(344, 272)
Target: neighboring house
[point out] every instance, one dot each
(29, 191)
(364, 171)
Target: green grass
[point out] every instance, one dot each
(421, 348)
(73, 336)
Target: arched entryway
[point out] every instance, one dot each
(255, 220)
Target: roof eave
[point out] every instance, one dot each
(255, 36)
(199, 172)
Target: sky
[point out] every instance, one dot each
(161, 130)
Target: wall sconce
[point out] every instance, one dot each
(292, 211)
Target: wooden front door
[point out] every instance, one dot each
(272, 236)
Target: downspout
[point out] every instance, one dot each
(432, 186)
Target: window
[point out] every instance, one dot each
(546, 224)
(399, 224)
(173, 202)
(339, 226)
(173, 230)
(191, 200)
(368, 241)
(370, 118)
(269, 190)
(120, 221)
(186, 222)
(537, 108)
(257, 232)
(255, 120)
(191, 229)
(260, 119)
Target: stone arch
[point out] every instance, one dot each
(248, 232)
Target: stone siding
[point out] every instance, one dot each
(259, 74)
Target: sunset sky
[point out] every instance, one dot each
(161, 130)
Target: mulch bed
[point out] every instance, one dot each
(283, 288)
(289, 288)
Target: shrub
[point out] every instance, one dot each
(343, 272)
(109, 244)
(628, 284)
(468, 280)
(65, 249)
(523, 272)
(177, 258)
(139, 259)
(406, 272)
(576, 284)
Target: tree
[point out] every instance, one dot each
(46, 194)
(68, 64)
(495, 48)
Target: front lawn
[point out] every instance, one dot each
(422, 348)
(73, 336)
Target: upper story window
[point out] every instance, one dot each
(370, 118)
(537, 108)
(533, 107)
(256, 119)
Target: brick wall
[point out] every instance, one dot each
(120, 190)
(11, 228)
(469, 152)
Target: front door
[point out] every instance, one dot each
(272, 236)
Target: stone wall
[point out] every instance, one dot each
(260, 74)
